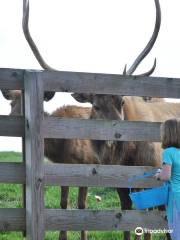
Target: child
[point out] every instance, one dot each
(170, 136)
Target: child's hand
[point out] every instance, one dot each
(157, 174)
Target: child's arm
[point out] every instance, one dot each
(165, 173)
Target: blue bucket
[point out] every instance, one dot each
(150, 197)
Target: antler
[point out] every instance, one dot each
(148, 47)
(25, 26)
(6, 94)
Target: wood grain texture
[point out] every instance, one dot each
(34, 156)
(23, 159)
(103, 220)
(96, 220)
(111, 84)
(11, 126)
(96, 83)
(81, 175)
(12, 219)
(55, 127)
(11, 79)
(12, 173)
(97, 175)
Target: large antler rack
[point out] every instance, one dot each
(148, 47)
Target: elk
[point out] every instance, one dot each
(57, 150)
(73, 151)
(70, 151)
(103, 149)
(134, 109)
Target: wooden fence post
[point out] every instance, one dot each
(23, 158)
(34, 154)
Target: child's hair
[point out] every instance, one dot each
(170, 133)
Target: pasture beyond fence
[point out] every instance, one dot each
(35, 219)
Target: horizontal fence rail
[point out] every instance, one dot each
(101, 129)
(76, 220)
(96, 175)
(95, 83)
(11, 79)
(111, 84)
(12, 173)
(12, 219)
(102, 220)
(54, 127)
(81, 175)
(12, 126)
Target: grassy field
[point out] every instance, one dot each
(11, 197)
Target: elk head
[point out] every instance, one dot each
(111, 106)
(103, 106)
(25, 25)
(107, 106)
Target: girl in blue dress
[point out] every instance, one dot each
(170, 136)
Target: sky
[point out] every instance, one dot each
(88, 36)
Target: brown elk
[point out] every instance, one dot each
(70, 151)
(131, 153)
(57, 150)
(105, 149)
(73, 151)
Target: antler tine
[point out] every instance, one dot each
(146, 74)
(25, 25)
(6, 94)
(151, 42)
(124, 71)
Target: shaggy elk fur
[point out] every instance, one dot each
(109, 108)
(129, 153)
(71, 151)
(136, 109)
(64, 150)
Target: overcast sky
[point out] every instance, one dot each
(88, 36)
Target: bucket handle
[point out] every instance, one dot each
(134, 178)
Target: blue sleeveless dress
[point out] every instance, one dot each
(171, 156)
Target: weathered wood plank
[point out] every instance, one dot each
(34, 155)
(80, 175)
(111, 84)
(55, 127)
(85, 129)
(96, 83)
(11, 126)
(12, 219)
(96, 175)
(116, 220)
(12, 173)
(76, 220)
(24, 159)
(11, 79)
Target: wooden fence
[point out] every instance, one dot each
(35, 219)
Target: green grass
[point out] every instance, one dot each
(10, 157)
(11, 197)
